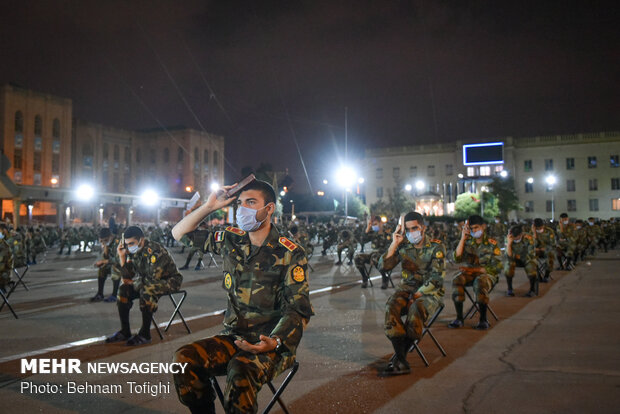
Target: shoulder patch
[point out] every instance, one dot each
(227, 281)
(492, 241)
(153, 259)
(436, 241)
(218, 236)
(497, 252)
(235, 230)
(287, 243)
(298, 274)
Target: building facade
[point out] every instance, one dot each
(585, 168)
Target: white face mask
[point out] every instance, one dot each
(496, 220)
(539, 230)
(246, 218)
(414, 237)
(565, 222)
(516, 241)
(133, 249)
(476, 234)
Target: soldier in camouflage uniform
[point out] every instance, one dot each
(545, 245)
(498, 230)
(16, 241)
(482, 261)
(596, 237)
(379, 242)
(196, 249)
(148, 272)
(520, 252)
(330, 237)
(265, 278)
(421, 291)
(6, 259)
(567, 242)
(38, 245)
(107, 265)
(347, 241)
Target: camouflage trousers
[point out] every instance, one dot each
(363, 259)
(245, 374)
(549, 255)
(482, 283)
(5, 278)
(148, 292)
(529, 266)
(416, 311)
(349, 248)
(105, 271)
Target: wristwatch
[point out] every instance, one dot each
(279, 341)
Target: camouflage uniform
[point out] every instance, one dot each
(268, 294)
(348, 242)
(379, 242)
(523, 255)
(154, 274)
(38, 245)
(545, 245)
(567, 242)
(111, 268)
(423, 271)
(498, 231)
(485, 254)
(19, 250)
(6, 264)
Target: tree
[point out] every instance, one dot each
(504, 190)
(356, 207)
(468, 204)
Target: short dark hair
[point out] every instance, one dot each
(476, 219)
(4, 227)
(516, 230)
(104, 232)
(133, 231)
(413, 215)
(563, 215)
(264, 188)
(538, 222)
(294, 229)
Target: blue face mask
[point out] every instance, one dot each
(414, 237)
(375, 228)
(476, 234)
(133, 249)
(1, 236)
(246, 218)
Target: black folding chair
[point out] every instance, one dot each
(5, 300)
(177, 311)
(20, 278)
(211, 260)
(474, 307)
(276, 392)
(427, 330)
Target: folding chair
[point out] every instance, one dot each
(20, 278)
(474, 307)
(427, 330)
(6, 301)
(177, 310)
(212, 260)
(369, 267)
(276, 392)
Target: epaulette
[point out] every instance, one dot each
(235, 230)
(287, 243)
(436, 241)
(492, 241)
(527, 236)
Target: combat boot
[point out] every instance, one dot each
(458, 322)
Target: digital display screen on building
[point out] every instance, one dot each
(487, 153)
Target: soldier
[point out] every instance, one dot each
(379, 243)
(498, 230)
(107, 265)
(482, 264)
(581, 240)
(421, 292)
(6, 259)
(148, 271)
(545, 245)
(38, 246)
(346, 241)
(520, 252)
(596, 236)
(330, 237)
(567, 240)
(265, 277)
(16, 241)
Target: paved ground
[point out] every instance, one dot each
(555, 353)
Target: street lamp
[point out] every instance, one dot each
(346, 177)
(85, 192)
(419, 185)
(530, 180)
(214, 186)
(550, 180)
(149, 197)
(408, 187)
(324, 181)
(504, 174)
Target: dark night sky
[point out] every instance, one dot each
(485, 68)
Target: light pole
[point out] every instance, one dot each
(550, 180)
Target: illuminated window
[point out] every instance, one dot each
(499, 168)
(614, 161)
(485, 171)
(615, 204)
(591, 162)
(471, 171)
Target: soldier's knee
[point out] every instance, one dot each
(242, 368)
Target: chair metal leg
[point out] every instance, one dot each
(276, 396)
(6, 301)
(177, 310)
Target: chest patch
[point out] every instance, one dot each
(153, 259)
(298, 274)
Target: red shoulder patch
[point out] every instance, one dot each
(287, 243)
(235, 230)
(436, 241)
(492, 241)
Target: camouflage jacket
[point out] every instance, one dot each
(423, 269)
(594, 232)
(349, 241)
(108, 252)
(567, 235)
(378, 241)
(267, 286)
(546, 239)
(19, 249)
(6, 258)
(151, 263)
(524, 250)
(484, 254)
(498, 231)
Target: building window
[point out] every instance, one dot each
(529, 206)
(138, 156)
(38, 144)
(549, 164)
(36, 161)
(485, 171)
(196, 165)
(591, 162)
(431, 170)
(396, 172)
(413, 172)
(614, 161)
(55, 163)
(594, 204)
(17, 177)
(379, 192)
(106, 152)
(166, 155)
(38, 126)
(570, 185)
(571, 205)
(471, 171)
(19, 122)
(205, 162)
(549, 206)
(216, 160)
(19, 140)
(117, 157)
(527, 165)
(56, 129)
(570, 163)
(449, 169)
(36, 179)
(529, 187)
(17, 159)
(56, 147)
(615, 204)
(55, 181)
(615, 183)
(180, 155)
(379, 173)
(593, 184)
